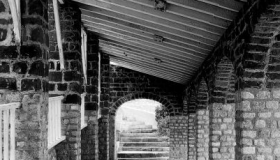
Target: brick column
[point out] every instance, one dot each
(112, 135)
(202, 142)
(23, 76)
(103, 122)
(192, 135)
(67, 82)
(90, 133)
(222, 131)
(178, 138)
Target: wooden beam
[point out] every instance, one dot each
(132, 41)
(141, 54)
(143, 27)
(16, 15)
(150, 60)
(58, 34)
(180, 6)
(144, 40)
(149, 14)
(226, 4)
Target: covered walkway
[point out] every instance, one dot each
(66, 66)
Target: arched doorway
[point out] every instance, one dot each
(141, 130)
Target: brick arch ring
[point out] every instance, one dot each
(140, 95)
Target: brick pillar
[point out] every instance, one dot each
(222, 131)
(112, 141)
(178, 138)
(202, 137)
(90, 133)
(23, 76)
(192, 135)
(67, 82)
(103, 122)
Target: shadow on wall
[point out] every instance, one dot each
(138, 112)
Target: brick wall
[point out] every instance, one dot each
(90, 133)
(104, 121)
(178, 138)
(67, 82)
(23, 72)
(126, 83)
(242, 77)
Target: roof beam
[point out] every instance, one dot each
(151, 60)
(171, 59)
(134, 42)
(149, 14)
(142, 39)
(180, 6)
(144, 27)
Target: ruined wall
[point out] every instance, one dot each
(23, 72)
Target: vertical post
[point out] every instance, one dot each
(6, 134)
(58, 34)
(99, 85)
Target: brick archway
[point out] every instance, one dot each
(140, 95)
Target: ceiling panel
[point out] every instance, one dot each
(169, 44)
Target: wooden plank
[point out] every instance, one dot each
(135, 42)
(180, 6)
(209, 39)
(6, 134)
(227, 4)
(141, 54)
(142, 39)
(145, 69)
(143, 12)
(12, 136)
(148, 71)
(149, 60)
(143, 26)
(95, 20)
(58, 34)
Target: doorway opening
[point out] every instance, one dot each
(142, 131)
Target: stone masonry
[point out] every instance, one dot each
(228, 110)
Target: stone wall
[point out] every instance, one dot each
(90, 133)
(242, 80)
(178, 138)
(23, 72)
(67, 82)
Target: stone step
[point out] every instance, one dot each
(144, 144)
(141, 130)
(156, 158)
(145, 148)
(154, 134)
(144, 139)
(133, 154)
(140, 126)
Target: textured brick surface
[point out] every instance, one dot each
(67, 82)
(19, 82)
